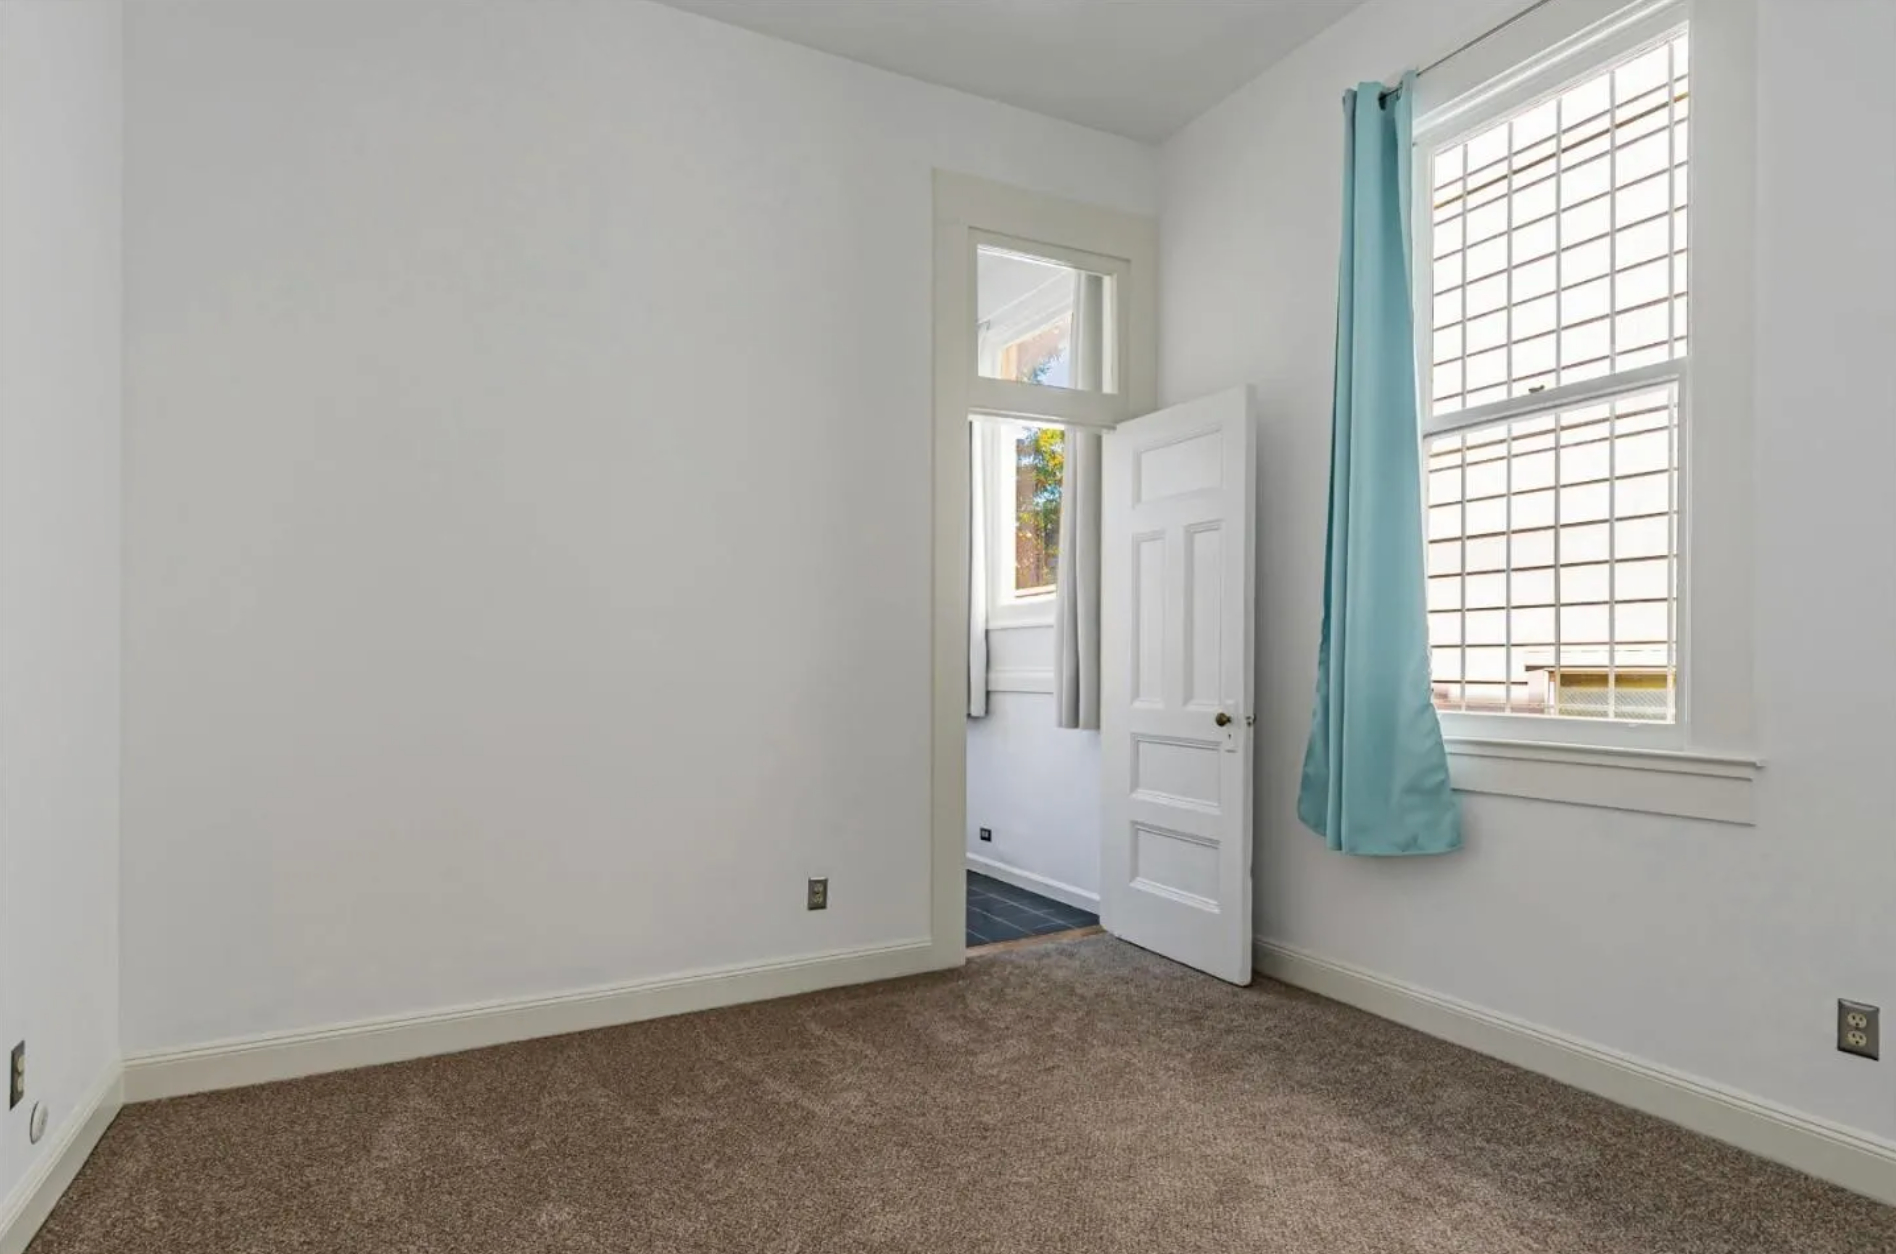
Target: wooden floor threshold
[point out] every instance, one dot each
(1051, 938)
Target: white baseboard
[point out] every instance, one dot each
(1843, 1156)
(372, 1042)
(33, 1200)
(1078, 898)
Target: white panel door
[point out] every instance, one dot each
(1175, 689)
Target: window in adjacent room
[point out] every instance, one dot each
(1030, 469)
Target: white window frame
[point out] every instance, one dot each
(1007, 606)
(1039, 402)
(1700, 765)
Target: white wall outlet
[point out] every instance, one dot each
(1858, 1029)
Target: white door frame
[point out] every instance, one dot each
(965, 205)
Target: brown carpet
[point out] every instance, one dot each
(1065, 1099)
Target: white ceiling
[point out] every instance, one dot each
(1141, 68)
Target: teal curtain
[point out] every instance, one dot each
(1375, 776)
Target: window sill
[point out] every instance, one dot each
(1712, 786)
(1011, 614)
(1020, 679)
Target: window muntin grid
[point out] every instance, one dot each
(1559, 238)
(1558, 261)
(1553, 562)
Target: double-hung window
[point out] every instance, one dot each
(1552, 249)
(1585, 215)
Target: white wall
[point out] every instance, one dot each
(1715, 950)
(1035, 785)
(527, 498)
(59, 559)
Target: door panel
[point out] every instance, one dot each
(1175, 652)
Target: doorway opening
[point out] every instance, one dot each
(1093, 570)
(1033, 754)
(1034, 787)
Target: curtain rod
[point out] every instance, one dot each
(1496, 29)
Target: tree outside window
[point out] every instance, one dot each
(1039, 468)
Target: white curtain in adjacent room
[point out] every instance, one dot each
(1076, 585)
(980, 469)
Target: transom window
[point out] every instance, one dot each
(1554, 339)
(1030, 309)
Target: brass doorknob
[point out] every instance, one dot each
(1223, 719)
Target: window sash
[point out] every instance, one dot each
(1593, 53)
(1579, 729)
(1038, 402)
(1566, 396)
(1008, 606)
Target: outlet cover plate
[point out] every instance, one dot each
(987, 833)
(819, 894)
(16, 1075)
(1858, 1030)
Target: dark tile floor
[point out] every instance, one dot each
(1001, 912)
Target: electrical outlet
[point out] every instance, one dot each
(820, 894)
(1857, 1029)
(16, 1076)
(987, 833)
